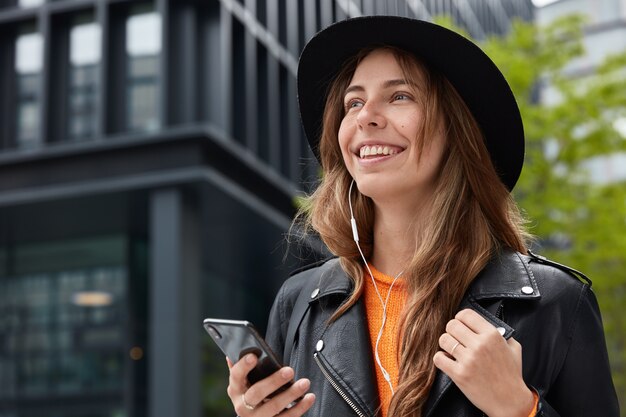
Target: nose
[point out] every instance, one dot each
(370, 115)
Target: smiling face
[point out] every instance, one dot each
(380, 134)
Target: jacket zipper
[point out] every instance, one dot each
(500, 311)
(337, 388)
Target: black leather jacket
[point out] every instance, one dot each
(543, 305)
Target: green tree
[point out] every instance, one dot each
(577, 221)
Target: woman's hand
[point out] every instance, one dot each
(485, 366)
(253, 401)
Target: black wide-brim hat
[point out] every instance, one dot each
(474, 75)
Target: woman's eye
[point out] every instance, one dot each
(401, 96)
(353, 104)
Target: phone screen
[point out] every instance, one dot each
(238, 338)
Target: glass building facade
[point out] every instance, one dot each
(28, 66)
(63, 329)
(150, 153)
(82, 93)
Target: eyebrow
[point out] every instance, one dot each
(386, 84)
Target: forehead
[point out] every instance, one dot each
(383, 64)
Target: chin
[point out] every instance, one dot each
(386, 190)
(379, 188)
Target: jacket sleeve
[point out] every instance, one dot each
(584, 386)
(277, 325)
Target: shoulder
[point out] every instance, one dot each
(537, 282)
(556, 280)
(302, 282)
(552, 266)
(513, 275)
(567, 299)
(305, 278)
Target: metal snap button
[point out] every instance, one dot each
(319, 346)
(527, 290)
(315, 293)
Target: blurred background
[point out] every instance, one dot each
(151, 157)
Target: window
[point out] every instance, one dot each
(28, 64)
(240, 89)
(63, 330)
(30, 3)
(143, 47)
(83, 81)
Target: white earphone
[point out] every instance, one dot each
(355, 235)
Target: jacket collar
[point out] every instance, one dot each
(507, 275)
(333, 280)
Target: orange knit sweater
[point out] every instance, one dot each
(390, 337)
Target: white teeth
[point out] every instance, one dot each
(376, 150)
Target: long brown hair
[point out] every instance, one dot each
(472, 215)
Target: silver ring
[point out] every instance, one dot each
(454, 347)
(245, 403)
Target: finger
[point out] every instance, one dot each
(474, 321)
(515, 346)
(267, 386)
(281, 401)
(451, 345)
(300, 407)
(459, 331)
(444, 363)
(229, 363)
(238, 373)
(242, 406)
(513, 343)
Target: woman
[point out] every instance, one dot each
(433, 306)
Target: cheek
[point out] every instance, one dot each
(411, 126)
(434, 154)
(343, 136)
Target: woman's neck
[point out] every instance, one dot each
(396, 231)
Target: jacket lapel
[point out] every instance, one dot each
(506, 276)
(347, 350)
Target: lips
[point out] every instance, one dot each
(368, 151)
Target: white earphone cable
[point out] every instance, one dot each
(355, 235)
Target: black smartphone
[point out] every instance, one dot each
(237, 338)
